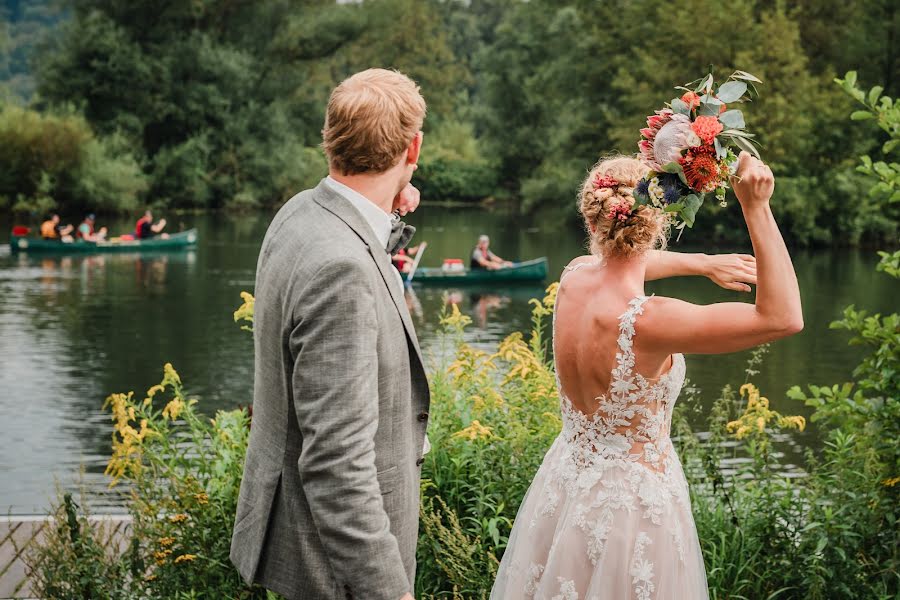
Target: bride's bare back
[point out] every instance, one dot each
(589, 305)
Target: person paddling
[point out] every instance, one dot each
(483, 258)
(145, 228)
(51, 229)
(86, 230)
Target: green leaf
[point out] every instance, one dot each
(672, 167)
(890, 145)
(733, 119)
(874, 93)
(737, 133)
(745, 145)
(674, 207)
(862, 115)
(706, 98)
(706, 84)
(746, 76)
(692, 204)
(679, 106)
(850, 78)
(708, 109)
(720, 150)
(731, 91)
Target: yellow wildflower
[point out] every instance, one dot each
(891, 482)
(151, 577)
(179, 518)
(173, 408)
(474, 431)
(170, 376)
(201, 498)
(185, 558)
(166, 541)
(153, 391)
(455, 320)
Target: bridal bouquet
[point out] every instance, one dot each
(690, 146)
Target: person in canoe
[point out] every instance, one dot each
(145, 228)
(483, 258)
(405, 257)
(51, 229)
(86, 230)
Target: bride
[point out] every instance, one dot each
(608, 515)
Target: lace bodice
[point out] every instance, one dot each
(633, 419)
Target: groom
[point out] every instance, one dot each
(329, 502)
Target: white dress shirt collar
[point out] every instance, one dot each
(378, 220)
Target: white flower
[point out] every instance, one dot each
(693, 140)
(656, 192)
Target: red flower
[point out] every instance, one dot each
(707, 128)
(604, 181)
(620, 212)
(701, 168)
(691, 99)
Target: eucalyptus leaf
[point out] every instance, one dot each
(733, 119)
(706, 84)
(708, 110)
(731, 91)
(706, 98)
(720, 150)
(692, 204)
(748, 77)
(672, 167)
(679, 106)
(746, 146)
(737, 133)
(674, 207)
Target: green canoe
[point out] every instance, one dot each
(175, 241)
(529, 271)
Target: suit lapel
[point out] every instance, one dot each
(336, 204)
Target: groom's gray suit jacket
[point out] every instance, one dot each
(329, 502)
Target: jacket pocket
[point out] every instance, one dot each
(387, 479)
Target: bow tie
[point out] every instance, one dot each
(401, 234)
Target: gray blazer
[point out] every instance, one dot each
(329, 502)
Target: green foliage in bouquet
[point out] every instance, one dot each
(690, 146)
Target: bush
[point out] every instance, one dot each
(50, 161)
(182, 473)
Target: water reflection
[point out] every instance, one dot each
(74, 329)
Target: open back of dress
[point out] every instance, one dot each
(608, 514)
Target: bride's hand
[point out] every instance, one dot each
(753, 183)
(731, 271)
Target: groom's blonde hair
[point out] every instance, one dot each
(371, 118)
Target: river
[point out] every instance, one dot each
(75, 329)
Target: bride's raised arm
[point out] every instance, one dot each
(730, 271)
(671, 325)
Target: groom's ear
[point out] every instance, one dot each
(415, 147)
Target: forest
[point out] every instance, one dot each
(111, 105)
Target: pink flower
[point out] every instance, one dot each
(619, 212)
(604, 181)
(655, 122)
(691, 99)
(707, 128)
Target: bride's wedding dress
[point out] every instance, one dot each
(608, 515)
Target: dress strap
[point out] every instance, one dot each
(571, 268)
(625, 355)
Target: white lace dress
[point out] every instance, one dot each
(608, 515)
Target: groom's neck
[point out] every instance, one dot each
(380, 189)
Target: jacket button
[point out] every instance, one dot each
(423, 417)
(420, 462)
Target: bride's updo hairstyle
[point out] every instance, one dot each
(606, 205)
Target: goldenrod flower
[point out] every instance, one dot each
(201, 498)
(179, 518)
(891, 482)
(166, 541)
(474, 431)
(185, 558)
(173, 409)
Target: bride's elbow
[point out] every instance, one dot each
(789, 326)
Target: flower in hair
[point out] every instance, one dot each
(620, 211)
(604, 181)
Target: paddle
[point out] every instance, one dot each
(415, 265)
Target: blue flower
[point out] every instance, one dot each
(672, 195)
(643, 187)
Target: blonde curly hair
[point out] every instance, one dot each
(647, 228)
